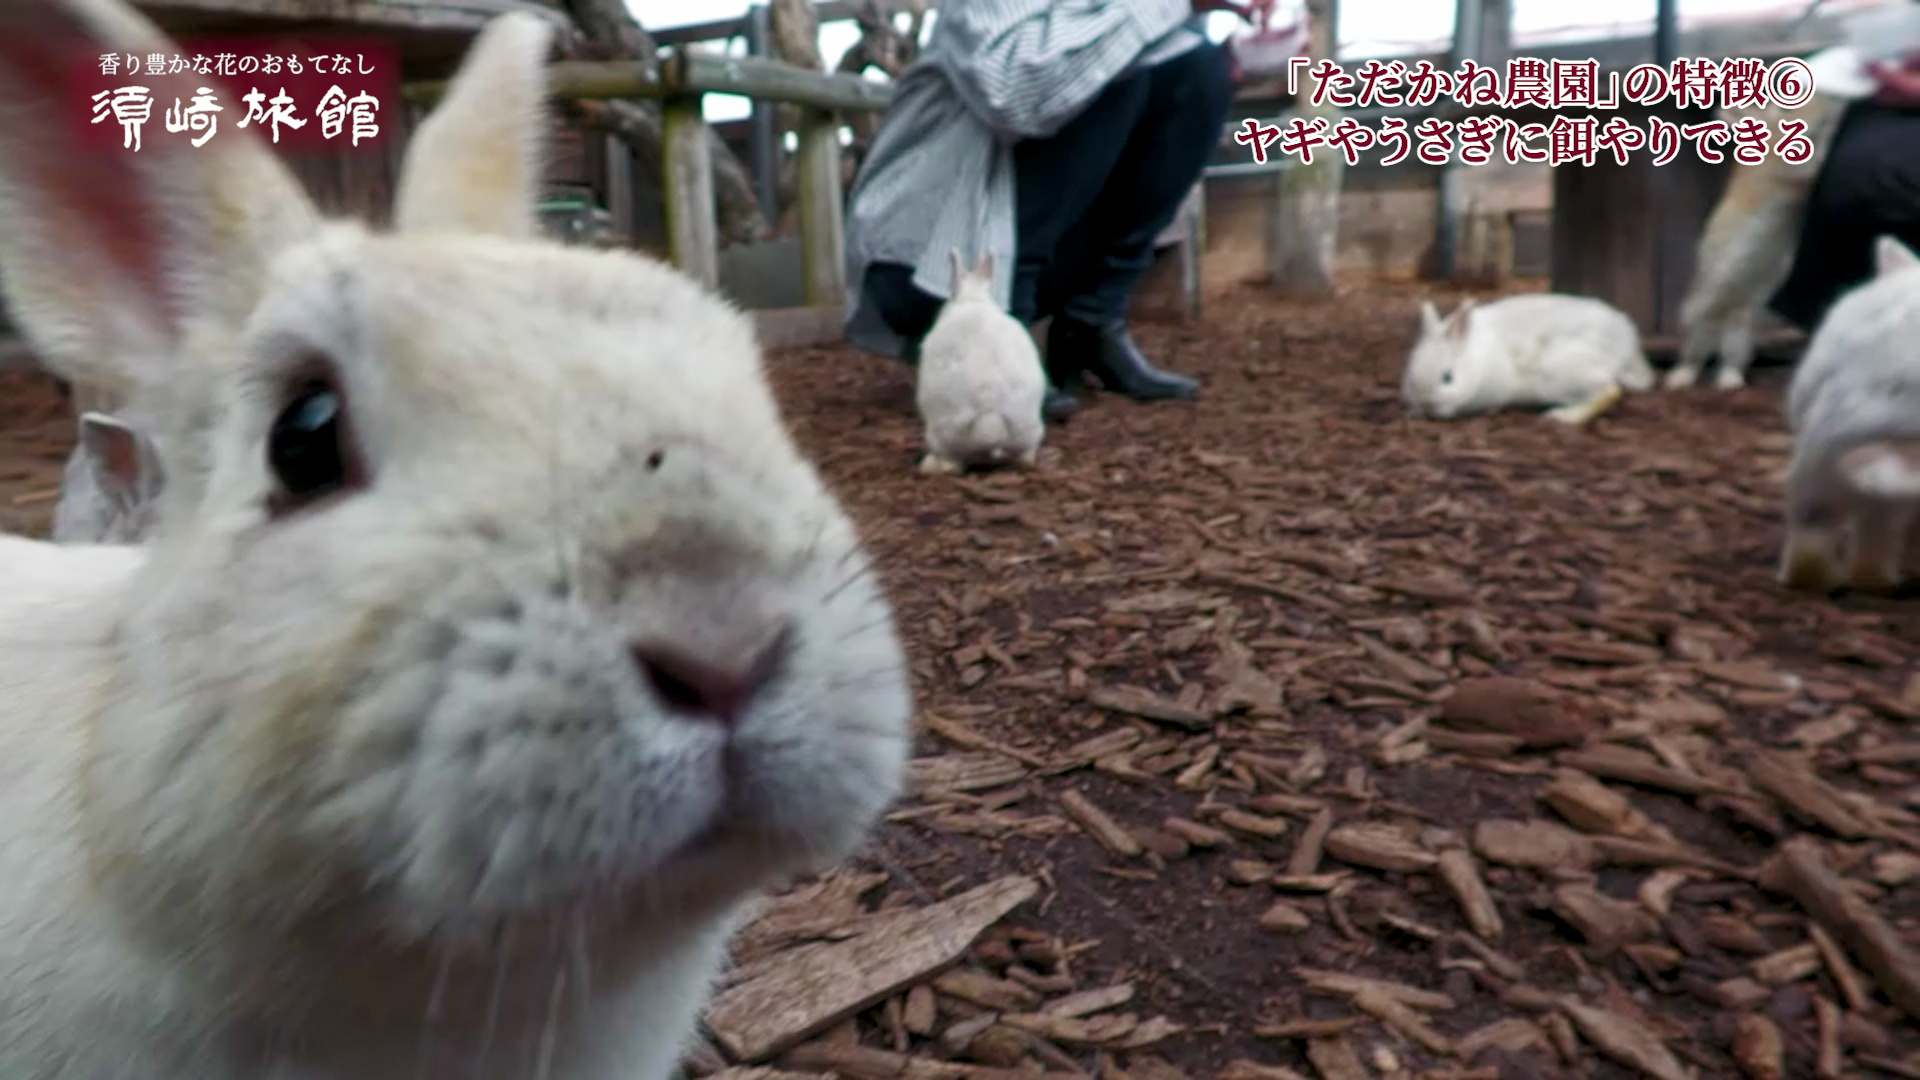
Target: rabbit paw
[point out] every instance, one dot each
(935, 465)
(1682, 377)
(1028, 460)
(1583, 412)
(1729, 379)
(1808, 561)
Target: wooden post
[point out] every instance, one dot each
(763, 142)
(693, 238)
(619, 158)
(1482, 30)
(1304, 245)
(823, 266)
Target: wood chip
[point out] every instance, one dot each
(1800, 871)
(1312, 843)
(1242, 1069)
(1253, 824)
(1539, 716)
(1827, 1063)
(1334, 1059)
(920, 1012)
(1805, 795)
(1379, 847)
(1852, 988)
(1249, 872)
(826, 984)
(1461, 874)
(1788, 965)
(1758, 1048)
(1624, 1040)
(1285, 918)
(1605, 923)
(976, 771)
(1536, 844)
(1135, 701)
(1200, 836)
(1629, 766)
(1074, 1031)
(1401, 1019)
(1102, 828)
(1345, 985)
(982, 989)
(1513, 1035)
(1088, 1002)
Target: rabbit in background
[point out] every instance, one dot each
(493, 646)
(1572, 355)
(1853, 482)
(980, 381)
(110, 490)
(1746, 250)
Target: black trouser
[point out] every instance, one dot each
(1868, 186)
(1092, 198)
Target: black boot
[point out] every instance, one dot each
(1109, 355)
(1057, 405)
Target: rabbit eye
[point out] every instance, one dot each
(307, 448)
(1446, 378)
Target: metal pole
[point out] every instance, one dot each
(763, 141)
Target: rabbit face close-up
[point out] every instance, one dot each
(601, 648)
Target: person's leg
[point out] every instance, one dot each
(1868, 186)
(1178, 128)
(905, 308)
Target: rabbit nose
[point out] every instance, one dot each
(710, 689)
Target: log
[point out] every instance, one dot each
(823, 267)
(1800, 871)
(695, 73)
(687, 167)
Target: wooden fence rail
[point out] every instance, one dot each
(687, 164)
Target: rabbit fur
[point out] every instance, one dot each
(980, 383)
(110, 489)
(1573, 355)
(1853, 482)
(1746, 249)
(456, 757)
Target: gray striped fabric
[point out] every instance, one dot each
(940, 173)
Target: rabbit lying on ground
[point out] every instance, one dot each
(110, 491)
(1853, 486)
(1746, 250)
(494, 646)
(1571, 354)
(980, 382)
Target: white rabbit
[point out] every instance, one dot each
(980, 383)
(110, 491)
(1853, 484)
(494, 646)
(1746, 250)
(1573, 355)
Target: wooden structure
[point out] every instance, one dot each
(687, 176)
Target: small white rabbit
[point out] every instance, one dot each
(494, 645)
(1746, 250)
(1853, 485)
(980, 383)
(110, 491)
(1572, 355)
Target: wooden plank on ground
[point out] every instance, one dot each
(827, 984)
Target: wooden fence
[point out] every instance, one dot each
(687, 165)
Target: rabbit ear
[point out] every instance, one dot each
(122, 457)
(1458, 321)
(474, 163)
(1886, 469)
(110, 253)
(957, 265)
(1430, 321)
(1889, 254)
(983, 270)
